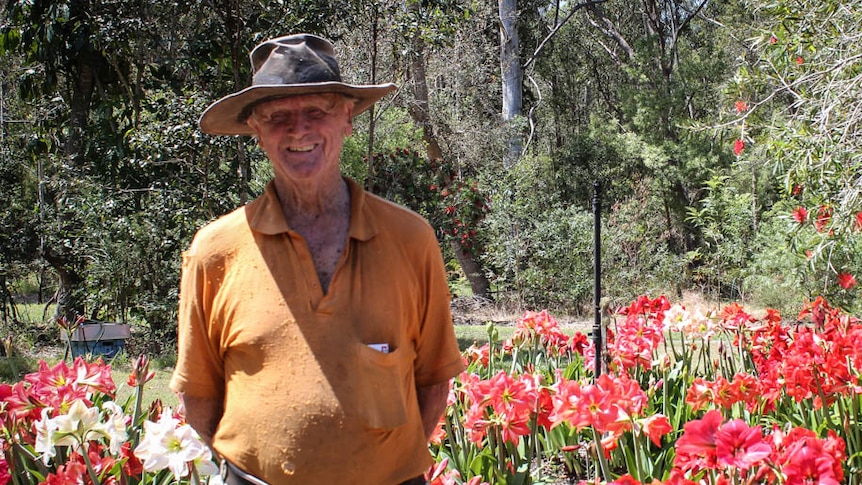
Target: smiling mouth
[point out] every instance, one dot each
(303, 148)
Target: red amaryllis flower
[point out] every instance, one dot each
(807, 461)
(738, 146)
(68, 474)
(800, 215)
(5, 477)
(846, 280)
(695, 449)
(625, 480)
(739, 445)
(656, 426)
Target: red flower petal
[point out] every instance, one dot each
(846, 280)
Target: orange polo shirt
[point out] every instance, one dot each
(307, 399)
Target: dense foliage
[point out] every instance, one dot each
(723, 135)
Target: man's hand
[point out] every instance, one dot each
(432, 403)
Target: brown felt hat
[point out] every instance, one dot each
(286, 66)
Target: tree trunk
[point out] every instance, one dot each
(62, 257)
(512, 76)
(479, 283)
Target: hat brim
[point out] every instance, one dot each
(228, 115)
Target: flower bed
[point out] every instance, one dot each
(61, 426)
(686, 398)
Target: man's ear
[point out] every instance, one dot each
(348, 130)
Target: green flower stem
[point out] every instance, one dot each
(194, 474)
(532, 445)
(454, 444)
(600, 453)
(850, 431)
(139, 397)
(638, 451)
(86, 456)
(827, 416)
(21, 453)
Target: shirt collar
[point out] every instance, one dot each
(265, 216)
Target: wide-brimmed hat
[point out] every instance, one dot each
(286, 66)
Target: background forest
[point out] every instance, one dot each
(723, 135)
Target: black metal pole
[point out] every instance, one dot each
(597, 278)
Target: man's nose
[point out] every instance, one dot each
(295, 124)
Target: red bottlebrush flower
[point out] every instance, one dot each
(740, 107)
(738, 146)
(846, 280)
(800, 215)
(824, 217)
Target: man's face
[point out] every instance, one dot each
(302, 135)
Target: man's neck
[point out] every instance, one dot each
(307, 203)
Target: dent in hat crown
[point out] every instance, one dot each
(294, 59)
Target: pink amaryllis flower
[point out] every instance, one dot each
(503, 401)
(804, 459)
(740, 446)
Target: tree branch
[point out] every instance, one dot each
(557, 27)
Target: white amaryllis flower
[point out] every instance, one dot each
(114, 426)
(167, 444)
(695, 324)
(79, 425)
(45, 436)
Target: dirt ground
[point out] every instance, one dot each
(480, 311)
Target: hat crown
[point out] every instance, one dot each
(292, 65)
(294, 59)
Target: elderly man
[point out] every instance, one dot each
(315, 339)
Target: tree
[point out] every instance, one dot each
(801, 114)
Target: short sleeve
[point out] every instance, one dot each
(199, 371)
(438, 357)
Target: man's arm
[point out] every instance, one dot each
(203, 414)
(432, 403)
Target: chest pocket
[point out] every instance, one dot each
(382, 381)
